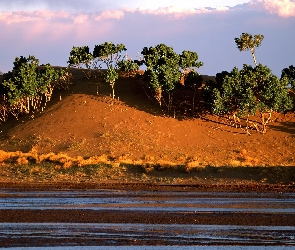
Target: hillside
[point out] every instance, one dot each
(85, 121)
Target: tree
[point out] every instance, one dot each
(128, 66)
(24, 87)
(164, 68)
(193, 81)
(251, 90)
(247, 42)
(162, 72)
(210, 85)
(81, 58)
(110, 55)
(289, 73)
(189, 61)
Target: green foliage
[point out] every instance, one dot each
(128, 66)
(247, 42)
(23, 88)
(289, 73)
(111, 75)
(193, 80)
(189, 60)
(80, 56)
(248, 91)
(162, 72)
(209, 94)
(104, 55)
(110, 55)
(163, 68)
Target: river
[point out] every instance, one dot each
(144, 219)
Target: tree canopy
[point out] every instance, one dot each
(289, 73)
(248, 42)
(27, 86)
(164, 67)
(250, 90)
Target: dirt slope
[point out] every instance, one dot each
(85, 121)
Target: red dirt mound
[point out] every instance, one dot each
(85, 121)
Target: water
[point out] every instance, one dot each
(159, 247)
(147, 236)
(144, 200)
(113, 233)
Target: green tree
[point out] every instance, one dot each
(110, 55)
(162, 72)
(289, 73)
(164, 69)
(251, 90)
(211, 85)
(189, 61)
(81, 58)
(247, 42)
(192, 81)
(128, 66)
(23, 88)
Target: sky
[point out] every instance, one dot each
(48, 29)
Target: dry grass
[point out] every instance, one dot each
(32, 167)
(147, 163)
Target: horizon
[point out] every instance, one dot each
(49, 29)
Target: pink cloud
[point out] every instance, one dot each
(110, 14)
(27, 16)
(43, 15)
(62, 14)
(15, 17)
(82, 18)
(173, 11)
(283, 8)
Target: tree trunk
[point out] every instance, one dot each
(253, 55)
(113, 89)
(158, 96)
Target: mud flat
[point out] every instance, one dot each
(151, 217)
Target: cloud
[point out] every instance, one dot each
(110, 14)
(178, 12)
(10, 17)
(222, 8)
(100, 5)
(173, 11)
(82, 18)
(43, 15)
(52, 5)
(50, 33)
(283, 8)
(27, 16)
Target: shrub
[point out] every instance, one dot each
(27, 87)
(248, 91)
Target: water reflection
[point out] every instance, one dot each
(109, 235)
(142, 200)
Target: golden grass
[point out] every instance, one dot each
(147, 163)
(32, 166)
(247, 160)
(193, 164)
